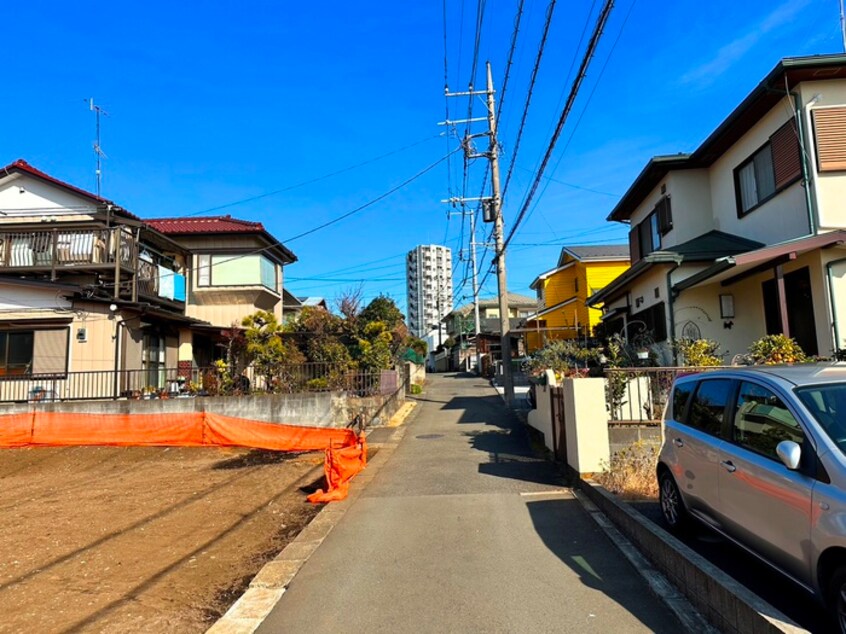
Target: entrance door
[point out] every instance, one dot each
(800, 309)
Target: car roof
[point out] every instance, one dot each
(798, 375)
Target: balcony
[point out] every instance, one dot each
(112, 252)
(63, 248)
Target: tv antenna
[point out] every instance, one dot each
(98, 151)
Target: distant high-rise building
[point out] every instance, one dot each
(429, 278)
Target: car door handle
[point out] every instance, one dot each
(678, 442)
(729, 466)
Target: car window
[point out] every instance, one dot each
(827, 404)
(762, 420)
(681, 395)
(707, 410)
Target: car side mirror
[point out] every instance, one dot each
(789, 453)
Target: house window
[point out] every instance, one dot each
(153, 359)
(204, 269)
(755, 180)
(16, 352)
(773, 167)
(646, 237)
(234, 269)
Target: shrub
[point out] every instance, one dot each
(699, 352)
(565, 358)
(317, 385)
(774, 349)
(416, 389)
(631, 472)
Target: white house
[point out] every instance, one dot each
(746, 236)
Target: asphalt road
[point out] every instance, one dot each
(465, 530)
(775, 589)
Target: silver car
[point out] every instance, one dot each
(759, 455)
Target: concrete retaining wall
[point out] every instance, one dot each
(727, 604)
(313, 409)
(625, 436)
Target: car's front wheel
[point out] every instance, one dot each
(836, 598)
(672, 505)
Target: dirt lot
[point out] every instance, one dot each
(137, 539)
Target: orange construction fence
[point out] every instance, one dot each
(346, 453)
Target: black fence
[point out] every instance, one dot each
(639, 395)
(163, 383)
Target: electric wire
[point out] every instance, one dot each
(592, 45)
(541, 47)
(311, 181)
(509, 61)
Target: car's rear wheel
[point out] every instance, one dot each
(672, 505)
(836, 598)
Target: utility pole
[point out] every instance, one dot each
(477, 321)
(496, 210)
(493, 206)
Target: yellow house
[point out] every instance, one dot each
(562, 311)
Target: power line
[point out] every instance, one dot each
(542, 45)
(325, 224)
(371, 202)
(594, 41)
(313, 180)
(510, 60)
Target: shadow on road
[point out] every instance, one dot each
(570, 534)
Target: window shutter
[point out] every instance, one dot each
(830, 132)
(665, 215)
(634, 243)
(787, 159)
(50, 352)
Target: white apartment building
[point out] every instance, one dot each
(429, 280)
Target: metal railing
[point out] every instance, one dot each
(162, 383)
(639, 395)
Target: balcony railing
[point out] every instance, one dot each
(162, 383)
(60, 248)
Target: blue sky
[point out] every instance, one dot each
(214, 106)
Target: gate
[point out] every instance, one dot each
(559, 435)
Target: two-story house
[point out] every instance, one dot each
(562, 310)
(94, 300)
(235, 269)
(745, 236)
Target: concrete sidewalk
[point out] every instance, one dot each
(464, 530)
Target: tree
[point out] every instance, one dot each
(349, 303)
(321, 336)
(265, 348)
(374, 347)
(383, 309)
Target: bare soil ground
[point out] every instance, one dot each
(102, 539)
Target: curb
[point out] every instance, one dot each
(691, 620)
(271, 582)
(725, 603)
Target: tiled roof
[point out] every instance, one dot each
(514, 301)
(22, 166)
(714, 244)
(204, 224)
(596, 252)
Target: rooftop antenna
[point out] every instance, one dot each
(98, 151)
